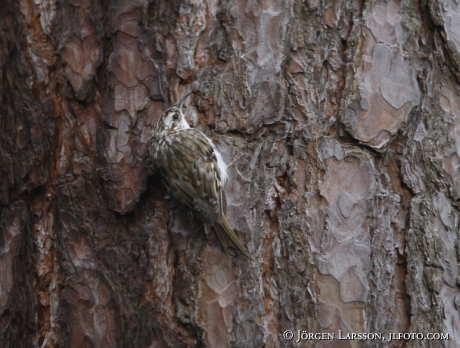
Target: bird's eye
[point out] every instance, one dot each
(175, 117)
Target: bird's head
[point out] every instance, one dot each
(171, 119)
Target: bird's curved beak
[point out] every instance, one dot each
(181, 103)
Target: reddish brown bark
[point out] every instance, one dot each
(340, 124)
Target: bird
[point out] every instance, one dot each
(193, 170)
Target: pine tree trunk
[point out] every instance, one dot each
(340, 122)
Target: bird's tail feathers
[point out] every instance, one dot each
(224, 229)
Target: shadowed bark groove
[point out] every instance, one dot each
(340, 122)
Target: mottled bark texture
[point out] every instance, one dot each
(340, 121)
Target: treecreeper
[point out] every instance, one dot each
(193, 170)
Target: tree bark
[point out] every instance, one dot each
(340, 122)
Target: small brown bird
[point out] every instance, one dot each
(193, 170)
